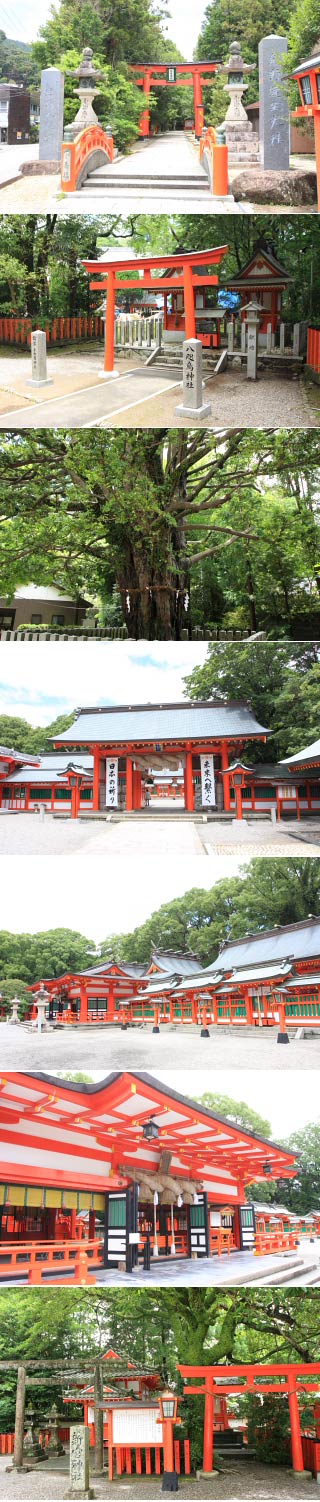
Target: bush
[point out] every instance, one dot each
(269, 1429)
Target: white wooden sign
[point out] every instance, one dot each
(132, 1426)
(112, 782)
(208, 791)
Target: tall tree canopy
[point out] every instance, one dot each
(266, 893)
(281, 682)
(149, 510)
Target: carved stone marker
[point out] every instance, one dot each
(253, 315)
(230, 333)
(243, 337)
(274, 118)
(282, 337)
(269, 338)
(39, 359)
(79, 1462)
(193, 404)
(51, 115)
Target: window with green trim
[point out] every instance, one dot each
(63, 795)
(38, 793)
(197, 1217)
(117, 1213)
(265, 792)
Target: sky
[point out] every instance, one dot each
(22, 21)
(104, 901)
(40, 680)
(288, 1109)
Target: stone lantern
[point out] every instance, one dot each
(87, 88)
(242, 143)
(14, 1009)
(41, 1001)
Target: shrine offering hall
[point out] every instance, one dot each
(267, 979)
(133, 757)
(116, 1173)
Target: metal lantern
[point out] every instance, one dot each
(150, 1130)
(168, 1405)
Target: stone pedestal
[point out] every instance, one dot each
(51, 116)
(274, 117)
(79, 1463)
(39, 359)
(193, 405)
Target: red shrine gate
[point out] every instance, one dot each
(223, 1381)
(168, 75)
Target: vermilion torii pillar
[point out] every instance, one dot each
(188, 271)
(287, 1379)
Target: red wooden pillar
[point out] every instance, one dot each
(208, 1429)
(248, 1006)
(96, 777)
(111, 1002)
(226, 780)
(92, 1225)
(189, 310)
(129, 784)
(238, 793)
(296, 1441)
(73, 1226)
(198, 106)
(83, 1015)
(27, 797)
(144, 122)
(189, 792)
(74, 802)
(110, 312)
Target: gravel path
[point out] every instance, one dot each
(109, 1048)
(27, 834)
(239, 1480)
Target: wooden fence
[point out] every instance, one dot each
(17, 331)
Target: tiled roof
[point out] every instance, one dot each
(162, 722)
(296, 941)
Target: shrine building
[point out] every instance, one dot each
(264, 279)
(267, 979)
(127, 1168)
(128, 742)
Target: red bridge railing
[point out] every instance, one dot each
(76, 154)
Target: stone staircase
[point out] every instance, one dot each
(168, 361)
(104, 180)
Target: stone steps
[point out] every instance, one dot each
(300, 1274)
(137, 183)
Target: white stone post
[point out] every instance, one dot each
(39, 359)
(79, 1463)
(269, 338)
(230, 333)
(193, 404)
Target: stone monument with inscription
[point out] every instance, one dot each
(193, 404)
(79, 1463)
(39, 375)
(51, 117)
(253, 316)
(274, 117)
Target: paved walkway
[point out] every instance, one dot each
(238, 1480)
(139, 1049)
(28, 834)
(80, 397)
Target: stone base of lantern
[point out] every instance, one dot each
(242, 142)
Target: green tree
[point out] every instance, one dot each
(145, 510)
(281, 682)
(237, 1112)
(302, 1193)
(42, 956)
(17, 735)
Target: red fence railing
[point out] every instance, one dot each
(58, 331)
(313, 349)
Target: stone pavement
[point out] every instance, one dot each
(108, 1048)
(79, 396)
(26, 834)
(238, 1480)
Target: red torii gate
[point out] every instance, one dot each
(168, 75)
(146, 272)
(218, 1381)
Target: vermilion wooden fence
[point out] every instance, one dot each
(313, 350)
(58, 331)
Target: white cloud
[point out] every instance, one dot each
(23, 22)
(39, 680)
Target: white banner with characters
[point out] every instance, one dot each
(112, 782)
(208, 791)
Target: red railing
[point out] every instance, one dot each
(17, 330)
(124, 1453)
(7, 1440)
(75, 155)
(34, 1259)
(311, 1454)
(313, 350)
